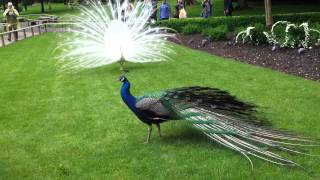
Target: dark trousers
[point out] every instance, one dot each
(227, 12)
(154, 15)
(11, 28)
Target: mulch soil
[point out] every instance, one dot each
(305, 64)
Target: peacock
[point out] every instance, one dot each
(101, 37)
(220, 116)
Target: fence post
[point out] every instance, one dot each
(2, 40)
(32, 32)
(39, 27)
(24, 33)
(45, 28)
(15, 35)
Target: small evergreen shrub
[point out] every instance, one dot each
(217, 33)
(257, 34)
(279, 32)
(239, 29)
(191, 29)
(295, 35)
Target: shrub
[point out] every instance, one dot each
(238, 21)
(257, 34)
(245, 35)
(191, 29)
(217, 33)
(239, 29)
(294, 35)
(315, 36)
(279, 32)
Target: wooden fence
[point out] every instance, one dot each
(30, 31)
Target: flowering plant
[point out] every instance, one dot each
(245, 35)
(294, 35)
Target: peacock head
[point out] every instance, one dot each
(122, 78)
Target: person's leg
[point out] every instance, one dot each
(9, 35)
(15, 27)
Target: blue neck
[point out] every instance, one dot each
(126, 95)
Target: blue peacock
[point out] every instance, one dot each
(220, 116)
(104, 38)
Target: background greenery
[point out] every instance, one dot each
(238, 21)
(57, 125)
(255, 8)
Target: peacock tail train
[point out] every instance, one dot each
(232, 123)
(226, 120)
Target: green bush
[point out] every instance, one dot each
(297, 35)
(314, 36)
(191, 29)
(239, 29)
(238, 21)
(280, 32)
(58, 1)
(257, 34)
(217, 33)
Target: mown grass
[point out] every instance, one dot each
(75, 126)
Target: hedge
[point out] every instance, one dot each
(238, 21)
(216, 33)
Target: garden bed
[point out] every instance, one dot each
(306, 65)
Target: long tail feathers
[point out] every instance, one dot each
(248, 138)
(233, 123)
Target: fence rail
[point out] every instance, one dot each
(29, 31)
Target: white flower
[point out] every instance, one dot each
(245, 34)
(105, 34)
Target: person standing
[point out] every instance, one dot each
(182, 13)
(165, 10)
(206, 9)
(12, 20)
(228, 8)
(154, 8)
(178, 7)
(126, 11)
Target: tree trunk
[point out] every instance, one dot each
(42, 6)
(190, 2)
(242, 4)
(25, 4)
(3, 4)
(268, 10)
(49, 4)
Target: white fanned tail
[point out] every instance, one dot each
(113, 32)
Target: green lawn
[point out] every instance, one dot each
(75, 126)
(58, 9)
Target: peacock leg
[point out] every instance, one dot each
(159, 131)
(149, 133)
